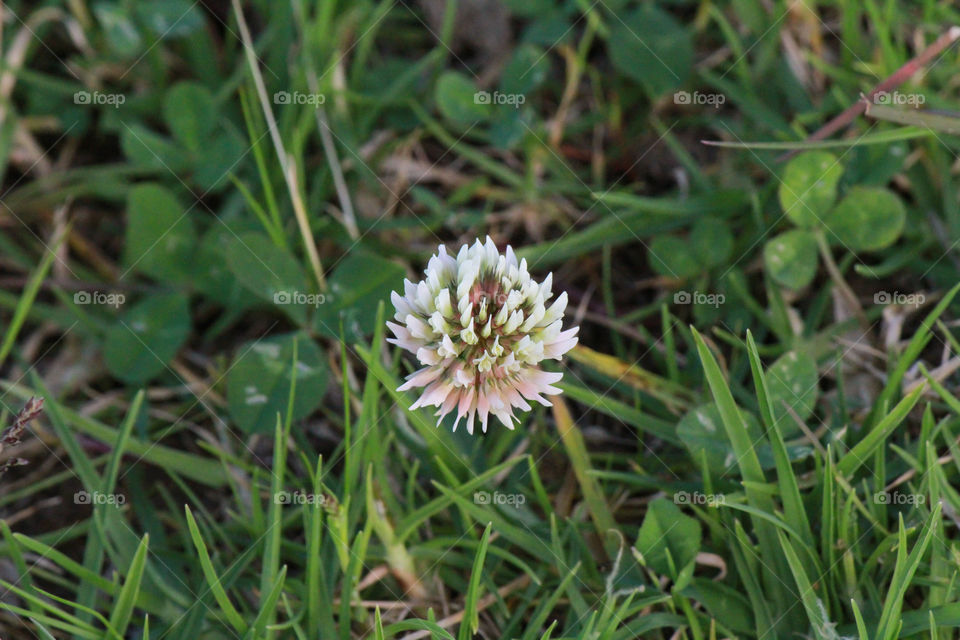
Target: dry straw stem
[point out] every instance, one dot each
(287, 162)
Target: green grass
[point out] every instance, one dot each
(206, 206)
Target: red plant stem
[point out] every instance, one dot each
(898, 77)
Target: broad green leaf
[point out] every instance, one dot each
(525, 71)
(357, 286)
(258, 383)
(220, 156)
(701, 430)
(459, 100)
(791, 258)
(711, 241)
(724, 603)
(672, 257)
(147, 337)
(653, 48)
(509, 127)
(212, 275)
(808, 187)
(120, 32)
(792, 379)
(269, 272)
(668, 536)
(151, 150)
(190, 114)
(170, 18)
(160, 237)
(867, 219)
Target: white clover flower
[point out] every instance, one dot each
(480, 326)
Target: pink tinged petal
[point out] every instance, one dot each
(563, 343)
(433, 395)
(462, 378)
(429, 356)
(516, 400)
(483, 407)
(470, 418)
(421, 378)
(410, 345)
(543, 379)
(448, 405)
(506, 419)
(447, 349)
(465, 407)
(403, 339)
(531, 392)
(556, 350)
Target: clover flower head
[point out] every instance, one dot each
(480, 325)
